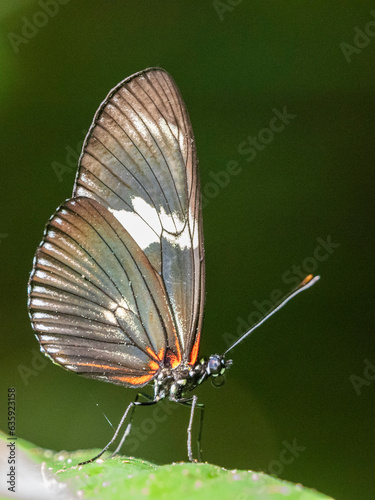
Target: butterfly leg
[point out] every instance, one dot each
(192, 402)
(199, 439)
(130, 409)
(150, 401)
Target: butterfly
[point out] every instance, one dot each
(118, 282)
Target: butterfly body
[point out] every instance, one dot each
(176, 383)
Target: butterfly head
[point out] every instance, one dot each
(216, 367)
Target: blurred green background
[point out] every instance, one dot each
(300, 378)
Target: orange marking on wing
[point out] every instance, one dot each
(137, 380)
(151, 353)
(172, 359)
(178, 355)
(195, 349)
(103, 367)
(153, 365)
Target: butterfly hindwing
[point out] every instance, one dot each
(94, 297)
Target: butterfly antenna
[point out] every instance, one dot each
(309, 281)
(102, 412)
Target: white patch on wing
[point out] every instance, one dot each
(52, 350)
(47, 338)
(139, 125)
(122, 303)
(194, 229)
(137, 227)
(174, 129)
(41, 326)
(123, 316)
(71, 367)
(172, 222)
(57, 220)
(146, 224)
(151, 126)
(37, 302)
(141, 232)
(109, 316)
(147, 212)
(41, 315)
(183, 239)
(121, 313)
(169, 130)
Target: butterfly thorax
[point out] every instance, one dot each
(175, 383)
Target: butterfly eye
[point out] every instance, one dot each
(215, 366)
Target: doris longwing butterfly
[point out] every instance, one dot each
(117, 287)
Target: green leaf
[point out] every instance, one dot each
(132, 478)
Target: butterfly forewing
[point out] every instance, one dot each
(118, 280)
(139, 160)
